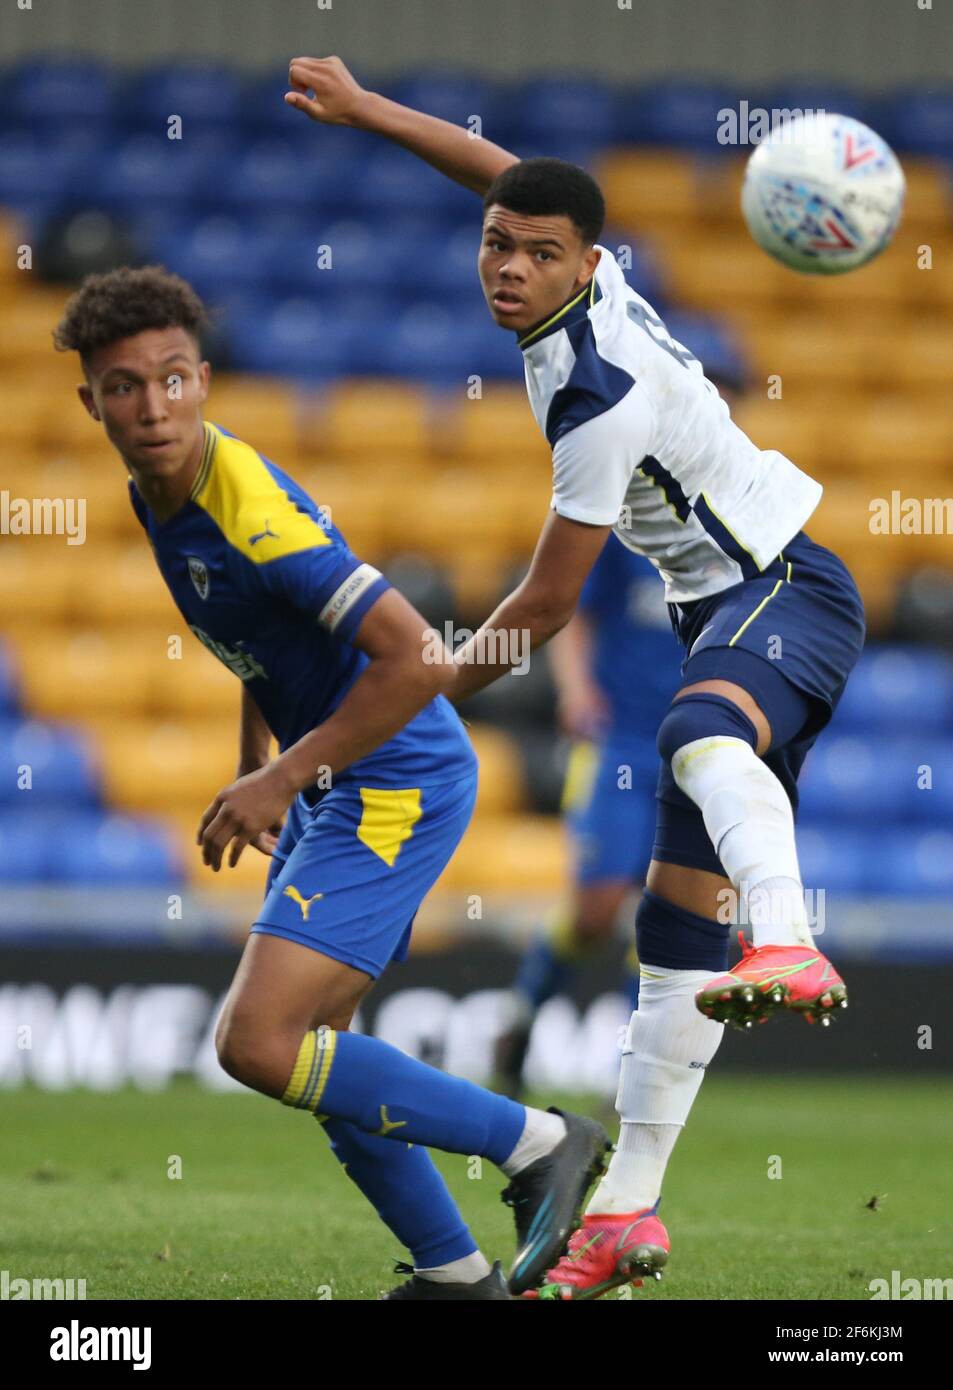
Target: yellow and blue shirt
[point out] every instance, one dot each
(272, 589)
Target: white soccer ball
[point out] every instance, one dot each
(823, 193)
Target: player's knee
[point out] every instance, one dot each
(259, 1058)
(702, 715)
(675, 939)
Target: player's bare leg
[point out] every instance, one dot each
(280, 991)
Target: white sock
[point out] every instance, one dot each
(468, 1270)
(777, 913)
(751, 824)
(668, 1046)
(541, 1133)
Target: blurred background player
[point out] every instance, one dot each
(615, 666)
(375, 772)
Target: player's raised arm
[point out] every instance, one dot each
(339, 100)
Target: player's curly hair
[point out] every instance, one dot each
(125, 301)
(542, 187)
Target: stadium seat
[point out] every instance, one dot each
(683, 115)
(501, 783)
(913, 863)
(117, 849)
(493, 432)
(560, 108)
(167, 767)
(378, 419)
(835, 859)
(919, 120)
(892, 685)
(509, 854)
(56, 759)
(205, 96)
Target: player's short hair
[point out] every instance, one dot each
(126, 301)
(542, 187)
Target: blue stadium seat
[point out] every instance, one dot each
(32, 172)
(205, 96)
(563, 108)
(913, 863)
(60, 762)
(863, 779)
(451, 96)
(30, 845)
(429, 341)
(892, 685)
(9, 695)
(643, 273)
(117, 849)
(681, 114)
(809, 94)
(919, 121)
(60, 95)
(394, 183)
(149, 171)
(712, 342)
(834, 859)
(218, 255)
(281, 176)
(294, 337)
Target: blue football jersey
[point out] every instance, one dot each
(635, 656)
(270, 587)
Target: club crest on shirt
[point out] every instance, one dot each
(198, 575)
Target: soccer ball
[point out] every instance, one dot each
(823, 193)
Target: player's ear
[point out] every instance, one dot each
(205, 372)
(592, 259)
(86, 396)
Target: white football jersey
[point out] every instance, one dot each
(643, 442)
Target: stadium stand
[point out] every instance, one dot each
(339, 370)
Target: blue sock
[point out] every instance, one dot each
(403, 1186)
(543, 972)
(383, 1091)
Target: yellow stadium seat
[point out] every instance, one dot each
(501, 778)
(496, 431)
(122, 584)
(28, 324)
(385, 420)
(781, 425)
(37, 580)
(510, 854)
(167, 766)
(85, 675)
(265, 414)
(898, 439)
(647, 188)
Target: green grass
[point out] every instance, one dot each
(263, 1211)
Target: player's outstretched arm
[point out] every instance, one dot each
(535, 611)
(339, 100)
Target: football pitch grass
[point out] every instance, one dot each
(263, 1211)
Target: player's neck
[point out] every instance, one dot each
(166, 496)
